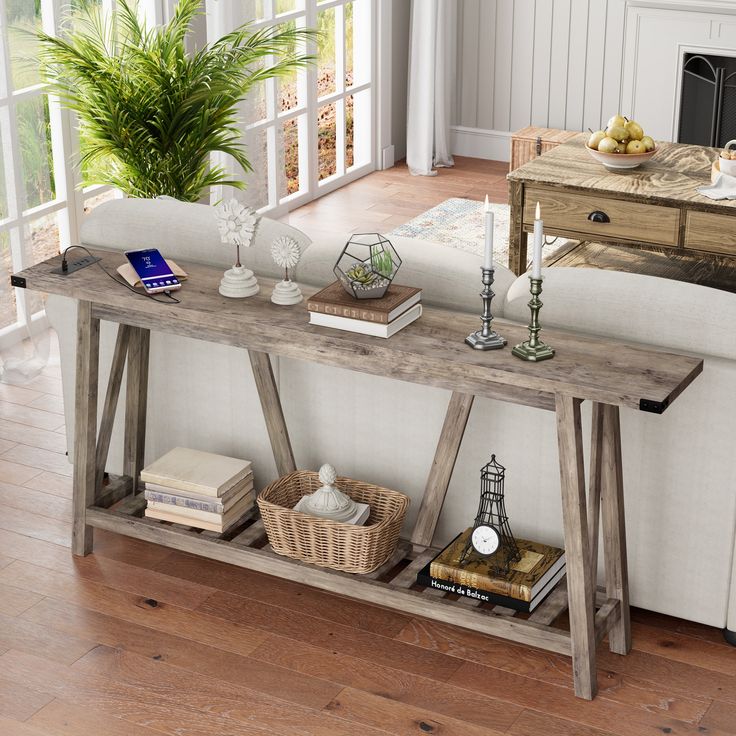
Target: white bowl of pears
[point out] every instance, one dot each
(622, 145)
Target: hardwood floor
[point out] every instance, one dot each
(138, 639)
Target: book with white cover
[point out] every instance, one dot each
(244, 502)
(223, 522)
(200, 472)
(245, 482)
(202, 503)
(376, 329)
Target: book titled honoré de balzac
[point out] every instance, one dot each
(527, 584)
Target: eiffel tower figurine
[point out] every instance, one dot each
(491, 535)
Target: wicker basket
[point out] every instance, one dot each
(345, 547)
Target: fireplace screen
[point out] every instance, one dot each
(708, 100)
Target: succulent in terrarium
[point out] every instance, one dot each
(367, 266)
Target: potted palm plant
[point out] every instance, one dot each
(150, 113)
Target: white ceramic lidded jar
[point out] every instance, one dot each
(728, 165)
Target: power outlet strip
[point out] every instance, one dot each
(77, 265)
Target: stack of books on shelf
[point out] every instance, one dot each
(528, 583)
(198, 489)
(334, 307)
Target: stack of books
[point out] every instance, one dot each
(198, 489)
(334, 307)
(529, 582)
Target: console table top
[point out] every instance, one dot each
(430, 351)
(671, 176)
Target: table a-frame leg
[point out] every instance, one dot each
(136, 403)
(272, 412)
(443, 464)
(594, 488)
(85, 426)
(577, 547)
(614, 529)
(111, 400)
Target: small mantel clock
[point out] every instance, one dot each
(491, 535)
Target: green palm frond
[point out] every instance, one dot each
(150, 114)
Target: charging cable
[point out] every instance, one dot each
(65, 267)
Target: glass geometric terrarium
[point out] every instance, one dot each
(367, 265)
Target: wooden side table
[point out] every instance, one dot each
(656, 204)
(432, 352)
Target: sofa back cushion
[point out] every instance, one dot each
(449, 277)
(632, 308)
(181, 230)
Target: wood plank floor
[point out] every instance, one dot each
(137, 639)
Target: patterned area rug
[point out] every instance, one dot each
(459, 223)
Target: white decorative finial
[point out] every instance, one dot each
(327, 475)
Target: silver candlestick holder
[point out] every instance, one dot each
(485, 338)
(534, 349)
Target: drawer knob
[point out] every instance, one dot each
(599, 216)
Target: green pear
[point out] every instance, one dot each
(636, 132)
(617, 121)
(608, 145)
(621, 147)
(617, 132)
(635, 147)
(596, 138)
(648, 142)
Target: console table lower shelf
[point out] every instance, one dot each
(390, 585)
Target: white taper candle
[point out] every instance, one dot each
(538, 242)
(488, 252)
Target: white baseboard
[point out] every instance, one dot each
(388, 156)
(480, 143)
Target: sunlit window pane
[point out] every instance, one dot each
(24, 17)
(327, 135)
(34, 134)
(326, 52)
(8, 314)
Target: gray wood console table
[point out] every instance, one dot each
(431, 352)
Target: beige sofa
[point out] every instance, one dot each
(681, 504)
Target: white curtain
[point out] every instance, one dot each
(431, 78)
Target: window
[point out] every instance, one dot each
(313, 131)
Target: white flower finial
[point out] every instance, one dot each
(236, 223)
(285, 253)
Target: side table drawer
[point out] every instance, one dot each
(711, 232)
(618, 219)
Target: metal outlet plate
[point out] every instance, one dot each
(77, 265)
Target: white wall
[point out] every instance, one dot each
(573, 63)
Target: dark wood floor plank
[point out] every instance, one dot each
(683, 648)
(285, 594)
(721, 716)
(399, 718)
(179, 652)
(680, 626)
(266, 714)
(620, 719)
(649, 695)
(368, 676)
(328, 634)
(210, 630)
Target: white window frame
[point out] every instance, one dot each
(308, 104)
